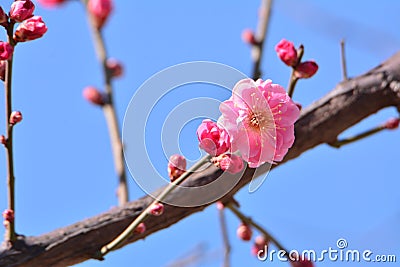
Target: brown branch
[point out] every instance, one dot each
(347, 104)
(262, 27)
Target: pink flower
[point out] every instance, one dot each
(176, 166)
(287, 52)
(15, 117)
(213, 139)
(306, 69)
(157, 209)
(30, 29)
(244, 232)
(51, 3)
(94, 96)
(3, 70)
(3, 16)
(248, 37)
(100, 10)
(115, 68)
(392, 123)
(6, 51)
(229, 162)
(21, 10)
(260, 119)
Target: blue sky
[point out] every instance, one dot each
(63, 161)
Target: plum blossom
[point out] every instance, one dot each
(21, 10)
(100, 10)
(229, 162)
(259, 117)
(176, 166)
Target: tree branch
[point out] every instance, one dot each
(347, 104)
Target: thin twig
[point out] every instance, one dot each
(293, 78)
(225, 237)
(342, 142)
(343, 59)
(10, 232)
(249, 221)
(257, 49)
(110, 113)
(145, 213)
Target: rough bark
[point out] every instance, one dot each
(347, 104)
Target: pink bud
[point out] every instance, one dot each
(3, 70)
(3, 16)
(15, 117)
(306, 69)
(30, 29)
(260, 246)
(229, 162)
(3, 140)
(287, 52)
(213, 139)
(8, 215)
(244, 232)
(140, 229)
(156, 209)
(100, 10)
(51, 3)
(94, 96)
(176, 166)
(220, 205)
(115, 67)
(6, 51)
(21, 10)
(392, 123)
(248, 37)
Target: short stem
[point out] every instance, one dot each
(249, 221)
(293, 78)
(129, 230)
(343, 60)
(342, 142)
(225, 237)
(110, 113)
(10, 233)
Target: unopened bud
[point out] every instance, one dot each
(306, 69)
(94, 96)
(100, 10)
(15, 117)
(260, 246)
(6, 51)
(248, 37)
(392, 123)
(3, 140)
(115, 67)
(156, 209)
(3, 16)
(287, 52)
(229, 162)
(176, 166)
(8, 215)
(244, 232)
(140, 229)
(31, 29)
(21, 10)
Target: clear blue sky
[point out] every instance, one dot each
(63, 160)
